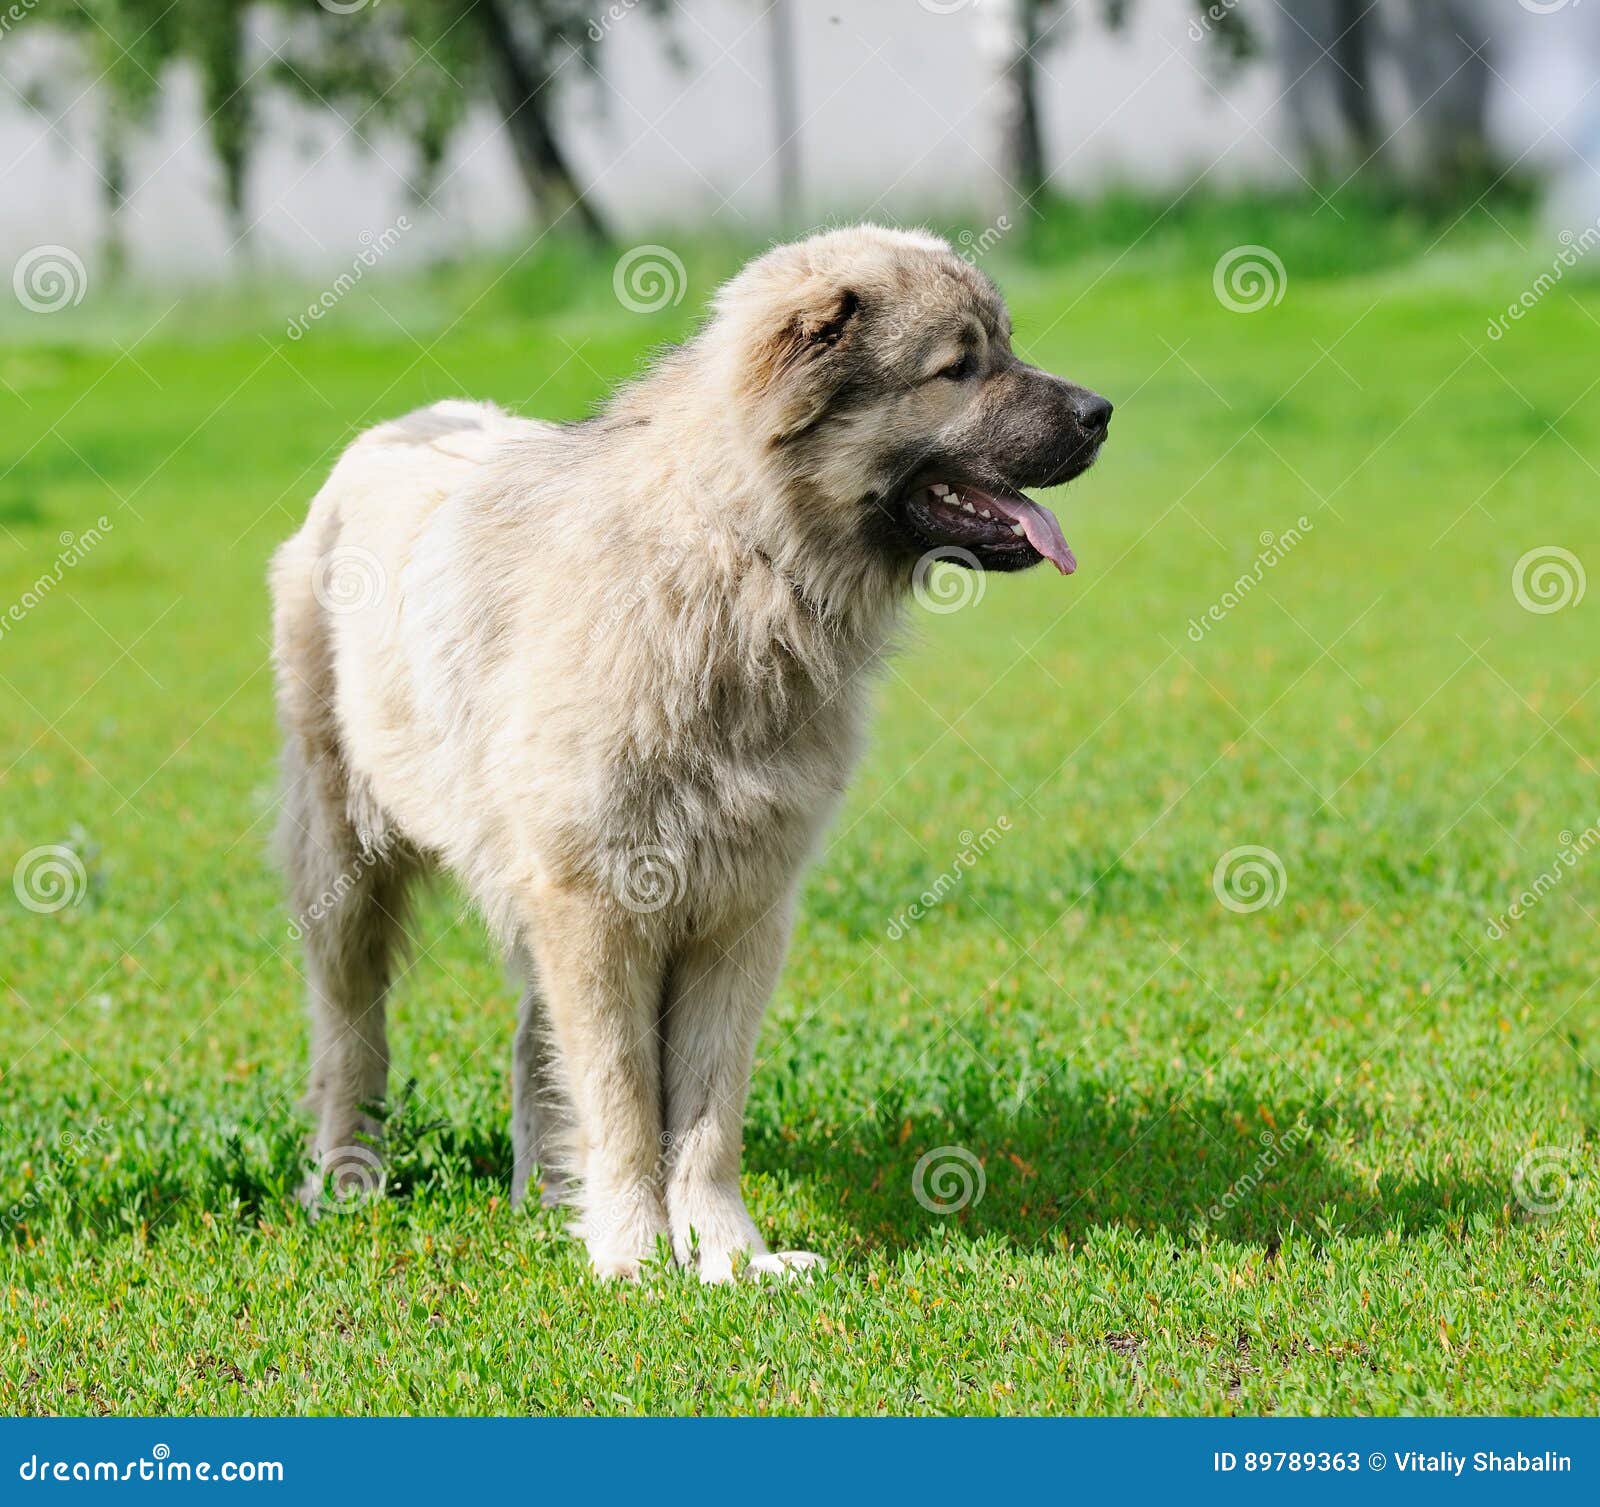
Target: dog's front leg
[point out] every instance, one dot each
(601, 979)
(720, 987)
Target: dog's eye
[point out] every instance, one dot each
(961, 369)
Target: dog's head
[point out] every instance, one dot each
(875, 368)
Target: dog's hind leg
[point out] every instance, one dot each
(709, 1025)
(348, 901)
(542, 1133)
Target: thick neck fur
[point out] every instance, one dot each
(758, 581)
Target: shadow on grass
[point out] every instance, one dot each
(1071, 1158)
(137, 1173)
(1087, 1155)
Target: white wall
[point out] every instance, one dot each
(891, 94)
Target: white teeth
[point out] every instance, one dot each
(938, 489)
(967, 507)
(1016, 528)
(986, 514)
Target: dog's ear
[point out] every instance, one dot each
(802, 363)
(825, 324)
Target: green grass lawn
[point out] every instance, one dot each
(1332, 1154)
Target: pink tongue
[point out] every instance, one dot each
(1040, 528)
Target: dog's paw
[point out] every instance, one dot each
(615, 1266)
(309, 1195)
(711, 1229)
(714, 1268)
(347, 1178)
(759, 1266)
(621, 1232)
(785, 1266)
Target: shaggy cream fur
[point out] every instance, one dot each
(612, 675)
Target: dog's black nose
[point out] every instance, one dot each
(1094, 412)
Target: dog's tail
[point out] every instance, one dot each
(426, 426)
(455, 427)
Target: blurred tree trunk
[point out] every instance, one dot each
(1325, 49)
(113, 195)
(1008, 30)
(785, 109)
(1329, 51)
(519, 88)
(219, 44)
(1439, 46)
(1352, 58)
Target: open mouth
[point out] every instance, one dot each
(1003, 529)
